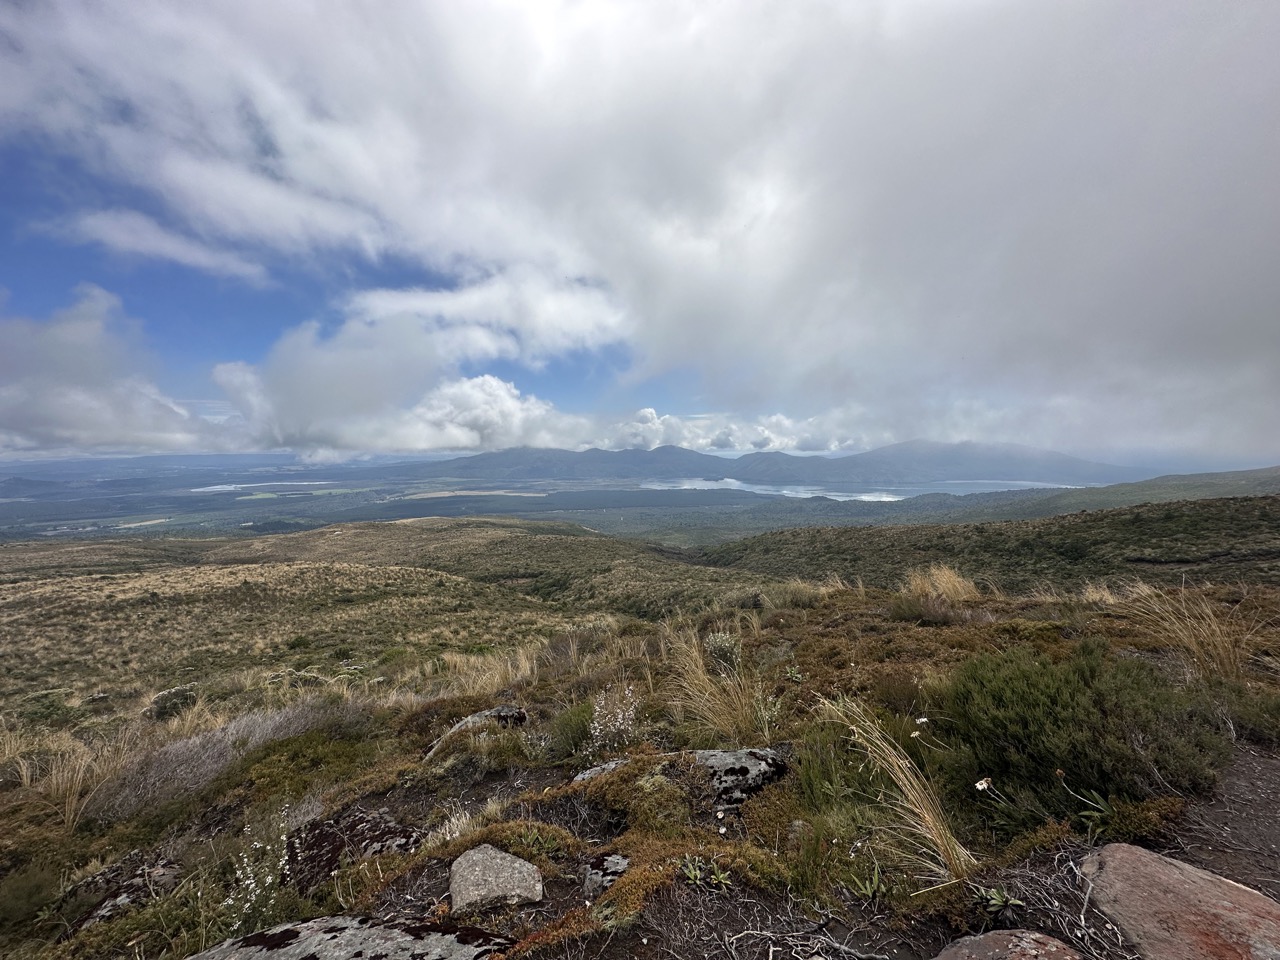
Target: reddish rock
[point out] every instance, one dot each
(1009, 945)
(1170, 910)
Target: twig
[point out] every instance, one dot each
(807, 940)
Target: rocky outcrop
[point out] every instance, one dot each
(1009, 945)
(736, 774)
(128, 883)
(486, 877)
(342, 938)
(322, 846)
(1170, 910)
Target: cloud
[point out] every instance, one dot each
(129, 232)
(1046, 223)
(516, 314)
(74, 382)
(477, 413)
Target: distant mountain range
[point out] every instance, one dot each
(916, 461)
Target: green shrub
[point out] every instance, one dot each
(1114, 726)
(570, 731)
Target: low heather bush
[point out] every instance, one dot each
(1029, 729)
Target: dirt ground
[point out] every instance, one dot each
(1237, 833)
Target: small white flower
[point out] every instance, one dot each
(915, 733)
(719, 814)
(983, 784)
(723, 830)
(920, 720)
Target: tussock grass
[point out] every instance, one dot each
(1213, 641)
(730, 703)
(467, 674)
(926, 839)
(940, 582)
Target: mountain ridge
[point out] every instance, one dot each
(913, 461)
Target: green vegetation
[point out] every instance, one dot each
(948, 711)
(1229, 540)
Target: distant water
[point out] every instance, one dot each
(233, 487)
(880, 493)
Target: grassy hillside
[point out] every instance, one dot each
(231, 718)
(1221, 540)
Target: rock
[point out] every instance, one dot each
(130, 882)
(504, 715)
(736, 774)
(341, 938)
(1170, 910)
(601, 770)
(319, 848)
(600, 873)
(486, 877)
(171, 702)
(1009, 945)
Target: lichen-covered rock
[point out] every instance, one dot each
(1009, 945)
(171, 702)
(342, 938)
(1169, 910)
(601, 770)
(486, 877)
(736, 774)
(600, 872)
(130, 882)
(319, 848)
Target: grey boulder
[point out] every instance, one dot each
(485, 877)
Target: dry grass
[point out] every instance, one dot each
(730, 703)
(924, 834)
(470, 674)
(940, 582)
(1215, 641)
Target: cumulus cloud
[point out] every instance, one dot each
(1050, 223)
(74, 382)
(385, 377)
(476, 413)
(833, 432)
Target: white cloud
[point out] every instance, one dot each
(477, 413)
(129, 232)
(516, 313)
(1051, 223)
(75, 382)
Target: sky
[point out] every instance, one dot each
(403, 226)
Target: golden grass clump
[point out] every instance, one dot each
(925, 837)
(1215, 643)
(469, 674)
(730, 702)
(940, 582)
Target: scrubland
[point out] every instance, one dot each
(949, 730)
